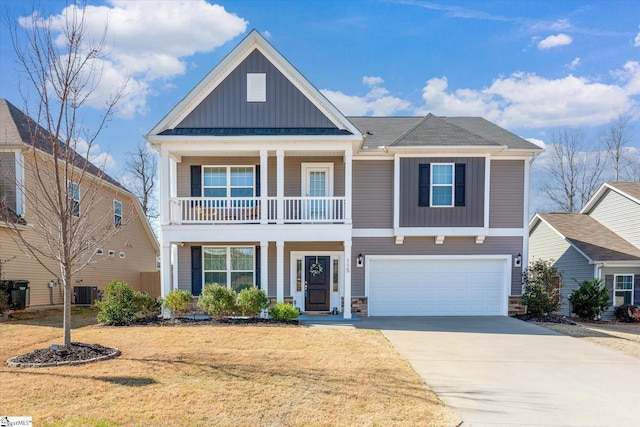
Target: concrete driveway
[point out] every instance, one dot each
(498, 371)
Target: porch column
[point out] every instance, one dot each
(165, 273)
(264, 266)
(280, 186)
(347, 280)
(280, 271)
(174, 265)
(165, 185)
(347, 185)
(264, 208)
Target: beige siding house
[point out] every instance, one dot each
(265, 183)
(131, 251)
(602, 241)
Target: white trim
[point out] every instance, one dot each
(307, 167)
(601, 191)
(525, 216)
(228, 267)
(280, 271)
(623, 290)
(228, 179)
(165, 186)
(280, 186)
(165, 274)
(458, 231)
(347, 280)
(264, 177)
(348, 185)
(372, 232)
(507, 269)
(264, 266)
(256, 87)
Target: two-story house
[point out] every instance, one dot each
(265, 182)
(602, 241)
(130, 252)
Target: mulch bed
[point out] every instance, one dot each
(552, 318)
(73, 354)
(190, 321)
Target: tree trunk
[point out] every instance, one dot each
(66, 320)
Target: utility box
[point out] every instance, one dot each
(85, 295)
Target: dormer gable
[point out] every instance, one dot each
(254, 91)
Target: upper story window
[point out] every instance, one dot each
(73, 192)
(441, 184)
(228, 181)
(117, 213)
(623, 289)
(256, 87)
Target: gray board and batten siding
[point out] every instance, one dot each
(619, 214)
(506, 197)
(372, 194)
(8, 179)
(292, 172)
(426, 246)
(546, 244)
(469, 215)
(227, 107)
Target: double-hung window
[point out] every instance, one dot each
(73, 193)
(623, 289)
(117, 213)
(442, 184)
(228, 182)
(233, 267)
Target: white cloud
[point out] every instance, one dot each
(572, 66)
(377, 102)
(372, 81)
(102, 159)
(554, 41)
(529, 100)
(540, 143)
(148, 42)
(636, 40)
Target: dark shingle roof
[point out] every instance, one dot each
(436, 131)
(592, 238)
(254, 131)
(17, 128)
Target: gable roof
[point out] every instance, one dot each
(631, 190)
(18, 130)
(595, 241)
(252, 42)
(432, 131)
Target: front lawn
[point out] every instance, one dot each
(217, 375)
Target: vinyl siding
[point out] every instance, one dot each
(605, 271)
(506, 196)
(292, 166)
(227, 106)
(426, 246)
(372, 194)
(470, 215)
(133, 240)
(546, 244)
(620, 215)
(8, 179)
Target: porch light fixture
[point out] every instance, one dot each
(360, 261)
(517, 262)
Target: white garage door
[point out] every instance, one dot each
(424, 286)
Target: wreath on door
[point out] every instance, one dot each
(315, 268)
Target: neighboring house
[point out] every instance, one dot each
(602, 241)
(130, 252)
(264, 182)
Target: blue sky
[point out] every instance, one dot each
(529, 66)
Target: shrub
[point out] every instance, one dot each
(178, 302)
(252, 301)
(4, 301)
(542, 283)
(590, 300)
(627, 313)
(119, 306)
(147, 306)
(284, 312)
(217, 300)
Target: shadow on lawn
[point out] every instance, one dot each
(123, 380)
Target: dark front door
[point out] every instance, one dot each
(317, 296)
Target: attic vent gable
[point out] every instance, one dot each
(256, 87)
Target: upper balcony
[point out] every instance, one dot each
(291, 210)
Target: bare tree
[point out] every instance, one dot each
(617, 138)
(574, 172)
(62, 189)
(142, 165)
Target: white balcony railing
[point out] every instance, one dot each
(234, 210)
